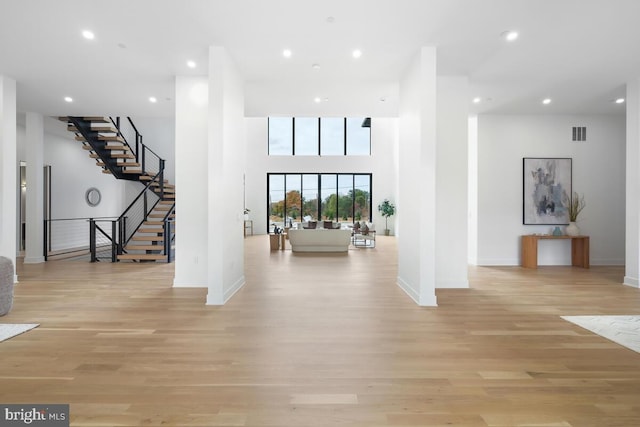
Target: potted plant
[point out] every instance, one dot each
(386, 209)
(575, 205)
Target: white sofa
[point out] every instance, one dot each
(319, 240)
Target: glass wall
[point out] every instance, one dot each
(276, 196)
(309, 196)
(302, 197)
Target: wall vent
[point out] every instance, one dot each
(579, 133)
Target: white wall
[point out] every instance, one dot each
(9, 195)
(632, 154)
(191, 179)
(226, 169)
(381, 164)
(451, 182)
(73, 172)
(158, 133)
(472, 244)
(417, 179)
(598, 173)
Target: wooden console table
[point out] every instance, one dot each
(579, 250)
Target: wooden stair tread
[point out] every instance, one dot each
(132, 171)
(156, 230)
(155, 257)
(94, 156)
(148, 238)
(111, 138)
(156, 222)
(122, 156)
(120, 164)
(104, 129)
(166, 202)
(160, 215)
(97, 119)
(63, 118)
(106, 171)
(144, 247)
(149, 178)
(162, 207)
(165, 185)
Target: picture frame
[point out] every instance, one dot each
(546, 185)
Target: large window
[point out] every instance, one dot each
(312, 136)
(298, 197)
(306, 136)
(280, 136)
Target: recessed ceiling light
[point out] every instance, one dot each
(317, 100)
(191, 64)
(287, 53)
(326, 100)
(357, 53)
(509, 35)
(383, 99)
(68, 99)
(122, 45)
(477, 100)
(315, 66)
(620, 101)
(153, 99)
(546, 101)
(331, 19)
(88, 35)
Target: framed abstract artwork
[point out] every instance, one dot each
(546, 186)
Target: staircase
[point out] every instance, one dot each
(146, 229)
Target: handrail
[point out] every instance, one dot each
(139, 195)
(117, 125)
(87, 218)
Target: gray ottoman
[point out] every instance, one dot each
(6, 285)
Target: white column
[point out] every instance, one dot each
(191, 177)
(451, 182)
(417, 180)
(8, 171)
(35, 189)
(632, 223)
(226, 166)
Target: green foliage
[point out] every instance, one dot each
(386, 209)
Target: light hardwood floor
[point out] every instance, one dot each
(320, 340)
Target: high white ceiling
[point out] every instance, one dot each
(580, 53)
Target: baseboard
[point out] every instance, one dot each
(429, 301)
(234, 288)
(408, 290)
(498, 262)
(181, 284)
(452, 284)
(34, 260)
(607, 262)
(630, 281)
(227, 294)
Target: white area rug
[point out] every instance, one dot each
(624, 330)
(10, 330)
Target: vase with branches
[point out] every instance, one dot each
(575, 204)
